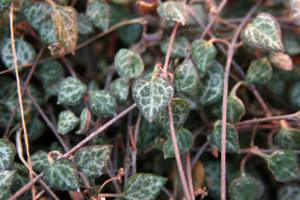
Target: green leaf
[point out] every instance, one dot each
(281, 60)
(92, 160)
(102, 103)
(284, 166)
(47, 32)
(181, 47)
(130, 33)
(64, 19)
(35, 129)
(37, 13)
(295, 11)
(291, 43)
(99, 13)
(294, 95)
(120, 88)
(20, 179)
(71, 91)
(6, 85)
(203, 53)
(211, 89)
(152, 97)
(175, 11)
(232, 142)
(39, 161)
(4, 4)
(288, 138)
(184, 140)
(93, 85)
(62, 175)
(246, 188)
(147, 134)
(85, 26)
(25, 52)
(50, 72)
(7, 154)
(264, 32)
(85, 120)
(6, 178)
(259, 72)
(191, 99)
(128, 64)
(180, 112)
(143, 186)
(186, 78)
(289, 192)
(67, 121)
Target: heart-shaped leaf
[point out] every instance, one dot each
(39, 161)
(92, 160)
(232, 142)
(37, 13)
(47, 32)
(67, 121)
(289, 192)
(128, 64)
(295, 11)
(130, 34)
(64, 19)
(147, 134)
(85, 120)
(153, 96)
(85, 26)
(259, 72)
(62, 175)
(143, 186)
(99, 13)
(120, 88)
(288, 138)
(180, 49)
(6, 178)
(102, 103)
(35, 129)
(281, 60)
(184, 140)
(284, 166)
(191, 99)
(211, 89)
(25, 52)
(7, 154)
(173, 10)
(180, 112)
(71, 91)
(20, 179)
(246, 188)
(294, 95)
(186, 78)
(264, 32)
(50, 72)
(203, 53)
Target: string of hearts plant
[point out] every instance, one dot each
(128, 88)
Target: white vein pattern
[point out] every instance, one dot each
(176, 11)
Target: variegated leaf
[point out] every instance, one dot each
(50, 72)
(289, 192)
(128, 64)
(184, 140)
(180, 49)
(264, 32)
(288, 138)
(39, 161)
(62, 175)
(99, 13)
(7, 154)
(102, 103)
(211, 88)
(186, 78)
(153, 96)
(67, 121)
(25, 52)
(259, 72)
(295, 11)
(85, 26)
(232, 143)
(85, 120)
(6, 178)
(180, 112)
(20, 179)
(203, 53)
(173, 10)
(35, 129)
(47, 32)
(92, 160)
(71, 91)
(147, 134)
(120, 88)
